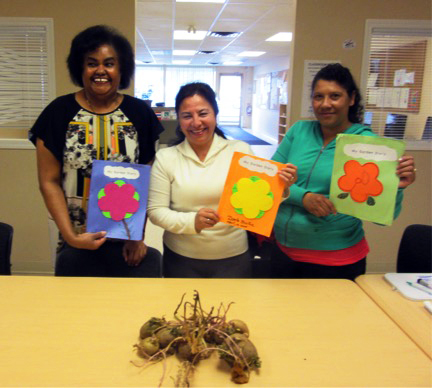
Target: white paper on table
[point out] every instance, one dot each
(399, 282)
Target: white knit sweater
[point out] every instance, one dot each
(180, 185)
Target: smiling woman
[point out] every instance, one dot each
(97, 122)
(312, 239)
(187, 181)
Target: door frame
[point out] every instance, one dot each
(218, 84)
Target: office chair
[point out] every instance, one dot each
(6, 235)
(415, 250)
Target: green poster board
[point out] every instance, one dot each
(364, 181)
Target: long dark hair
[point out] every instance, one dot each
(189, 90)
(340, 74)
(91, 39)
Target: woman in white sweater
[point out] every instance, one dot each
(187, 181)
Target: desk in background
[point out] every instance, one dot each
(80, 331)
(169, 123)
(169, 133)
(409, 315)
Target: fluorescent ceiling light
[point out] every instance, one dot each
(281, 37)
(186, 35)
(200, 1)
(161, 52)
(251, 53)
(233, 63)
(184, 52)
(180, 62)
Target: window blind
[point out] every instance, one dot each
(26, 70)
(397, 79)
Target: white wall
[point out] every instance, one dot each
(265, 121)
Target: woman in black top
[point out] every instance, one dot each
(97, 122)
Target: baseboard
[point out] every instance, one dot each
(32, 268)
(376, 268)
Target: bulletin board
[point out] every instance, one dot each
(395, 82)
(271, 90)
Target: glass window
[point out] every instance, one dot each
(397, 79)
(162, 83)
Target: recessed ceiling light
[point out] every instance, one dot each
(251, 53)
(186, 35)
(200, 1)
(180, 62)
(184, 52)
(281, 37)
(233, 63)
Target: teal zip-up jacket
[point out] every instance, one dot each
(294, 226)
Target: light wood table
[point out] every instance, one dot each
(81, 331)
(411, 316)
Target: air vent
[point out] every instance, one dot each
(224, 34)
(206, 52)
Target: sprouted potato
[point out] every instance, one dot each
(193, 336)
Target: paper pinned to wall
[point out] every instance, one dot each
(399, 77)
(372, 96)
(371, 83)
(409, 77)
(404, 97)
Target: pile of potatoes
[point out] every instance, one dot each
(196, 338)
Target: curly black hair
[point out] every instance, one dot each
(342, 75)
(201, 89)
(91, 39)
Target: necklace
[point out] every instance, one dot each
(114, 103)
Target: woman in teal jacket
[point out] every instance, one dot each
(312, 239)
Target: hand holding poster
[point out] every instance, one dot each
(252, 193)
(118, 199)
(364, 181)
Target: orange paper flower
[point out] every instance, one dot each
(360, 180)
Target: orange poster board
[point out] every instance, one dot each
(252, 193)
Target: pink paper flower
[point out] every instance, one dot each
(118, 200)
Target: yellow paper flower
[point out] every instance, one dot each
(252, 197)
